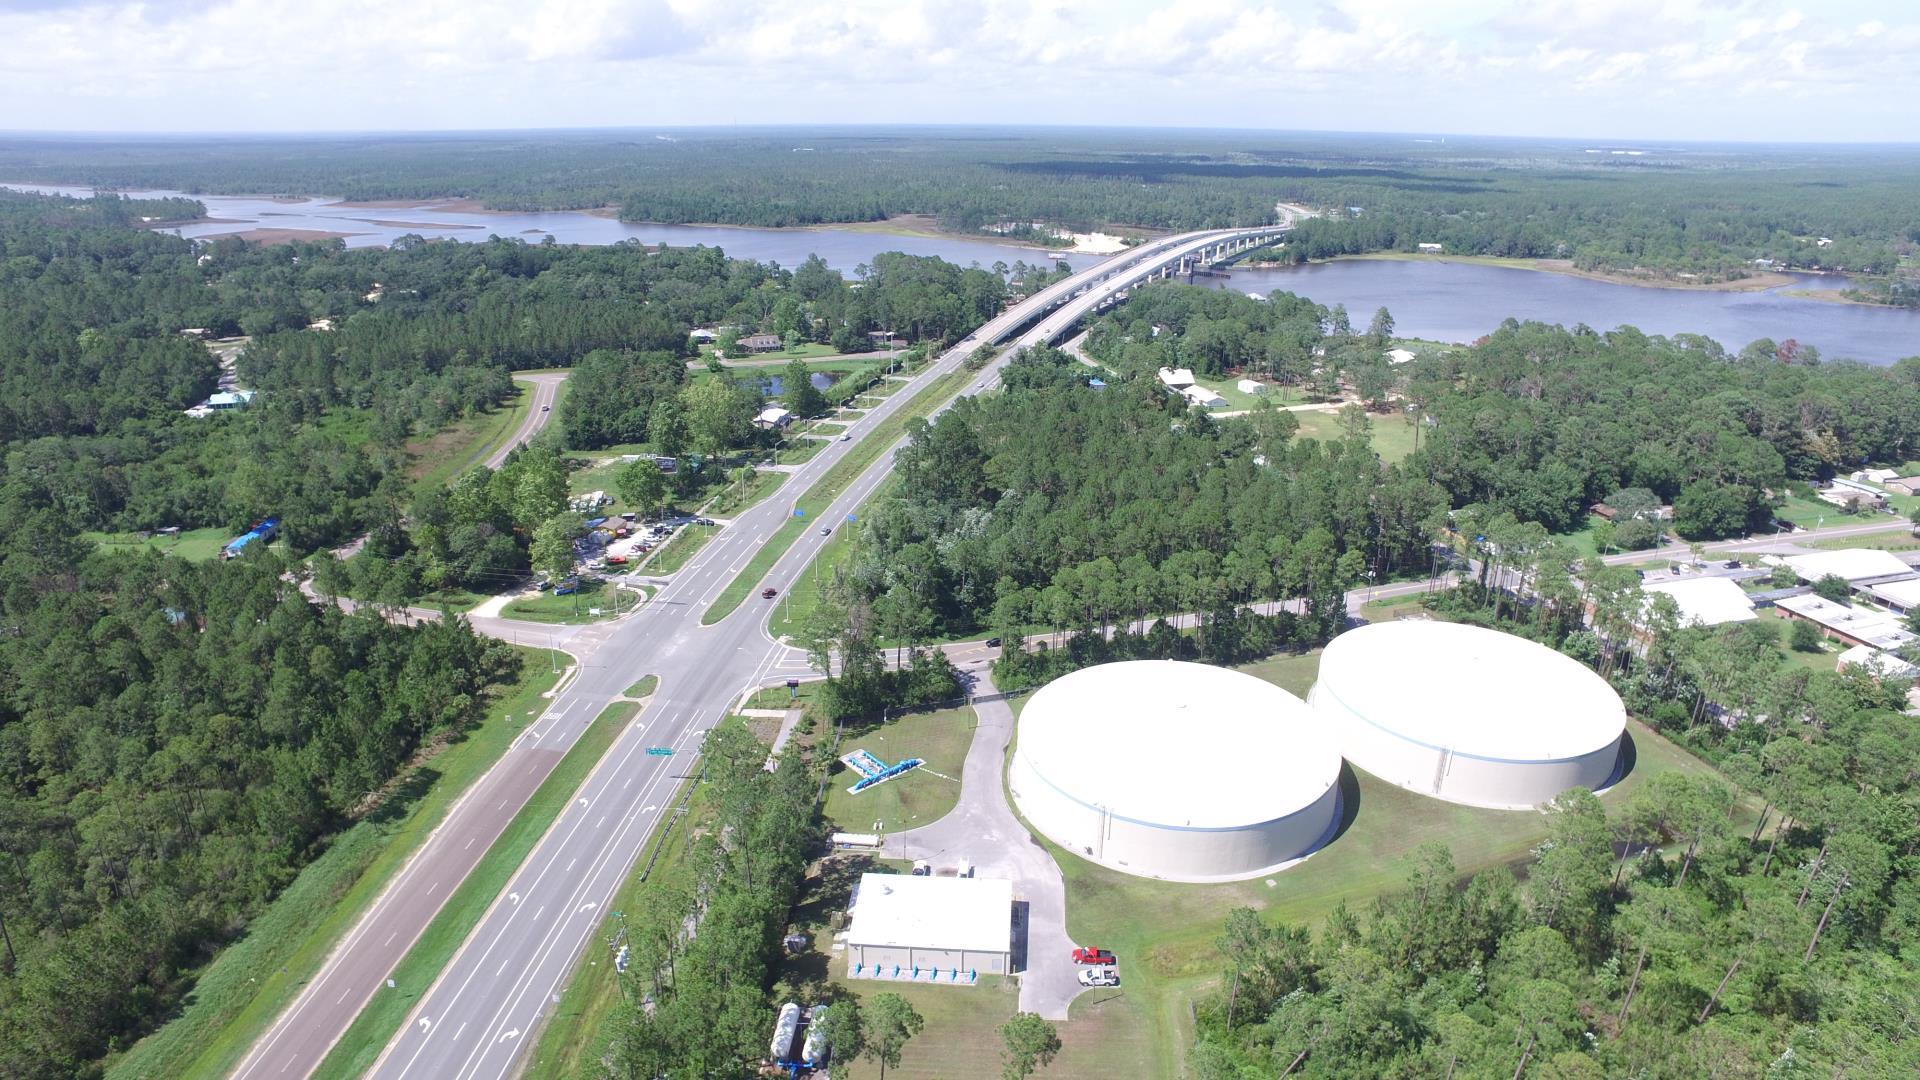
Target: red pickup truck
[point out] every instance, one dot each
(1093, 956)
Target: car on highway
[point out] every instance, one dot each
(845, 437)
(826, 530)
(1099, 976)
(993, 643)
(769, 593)
(546, 408)
(1090, 955)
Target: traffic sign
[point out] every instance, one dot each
(659, 751)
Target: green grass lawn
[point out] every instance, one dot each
(916, 798)
(1240, 399)
(796, 608)
(238, 995)
(1393, 433)
(779, 697)
(194, 545)
(828, 488)
(734, 498)
(1106, 1035)
(610, 600)
(683, 546)
(1898, 537)
(1166, 930)
(644, 687)
(1397, 607)
(797, 451)
(1824, 660)
(370, 1031)
(1811, 513)
(434, 461)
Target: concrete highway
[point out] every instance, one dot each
(473, 1020)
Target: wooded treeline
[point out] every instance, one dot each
(176, 741)
(1704, 211)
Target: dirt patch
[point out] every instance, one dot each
(289, 236)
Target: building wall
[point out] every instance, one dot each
(907, 958)
(1177, 853)
(1462, 778)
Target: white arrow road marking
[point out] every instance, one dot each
(505, 1035)
(649, 809)
(513, 897)
(588, 906)
(425, 1023)
(583, 802)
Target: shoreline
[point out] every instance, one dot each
(1764, 281)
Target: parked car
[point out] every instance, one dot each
(1099, 976)
(769, 593)
(1090, 955)
(703, 521)
(616, 560)
(1733, 564)
(567, 587)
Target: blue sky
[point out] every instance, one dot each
(1760, 70)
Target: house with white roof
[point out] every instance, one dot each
(1176, 378)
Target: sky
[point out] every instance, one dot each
(1739, 70)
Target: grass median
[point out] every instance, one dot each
(354, 1054)
(241, 992)
(821, 495)
(796, 608)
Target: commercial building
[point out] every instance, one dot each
(1904, 485)
(1877, 662)
(1469, 715)
(1173, 770)
(930, 929)
(1850, 565)
(1844, 622)
(1706, 601)
(1901, 596)
(1176, 378)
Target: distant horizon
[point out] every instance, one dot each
(1616, 141)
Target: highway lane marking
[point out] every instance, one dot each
(569, 868)
(603, 817)
(432, 887)
(500, 933)
(390, 938)
(456, 1034)
(537, 914)
(343, 995)
(470, 841)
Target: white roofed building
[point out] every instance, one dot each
(1846, 623)
(930, 929)
(1176, 378)
(772, 417)
(1880, 663)
(1849, 565)
(1203, 397)
(1706, 601)
(1252, 386)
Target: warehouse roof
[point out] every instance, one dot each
(933, 912)
(1707, 601)
(1851, 564)
(1477, 692)
(1178, 745)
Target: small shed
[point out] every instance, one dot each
(1252, 386)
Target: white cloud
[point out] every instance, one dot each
(1517, 66)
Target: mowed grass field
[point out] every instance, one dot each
(1393, 433)
(195, 545)
(238, 995)
(919, 797)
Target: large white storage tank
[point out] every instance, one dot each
(1178, 771)
(1467, 714)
